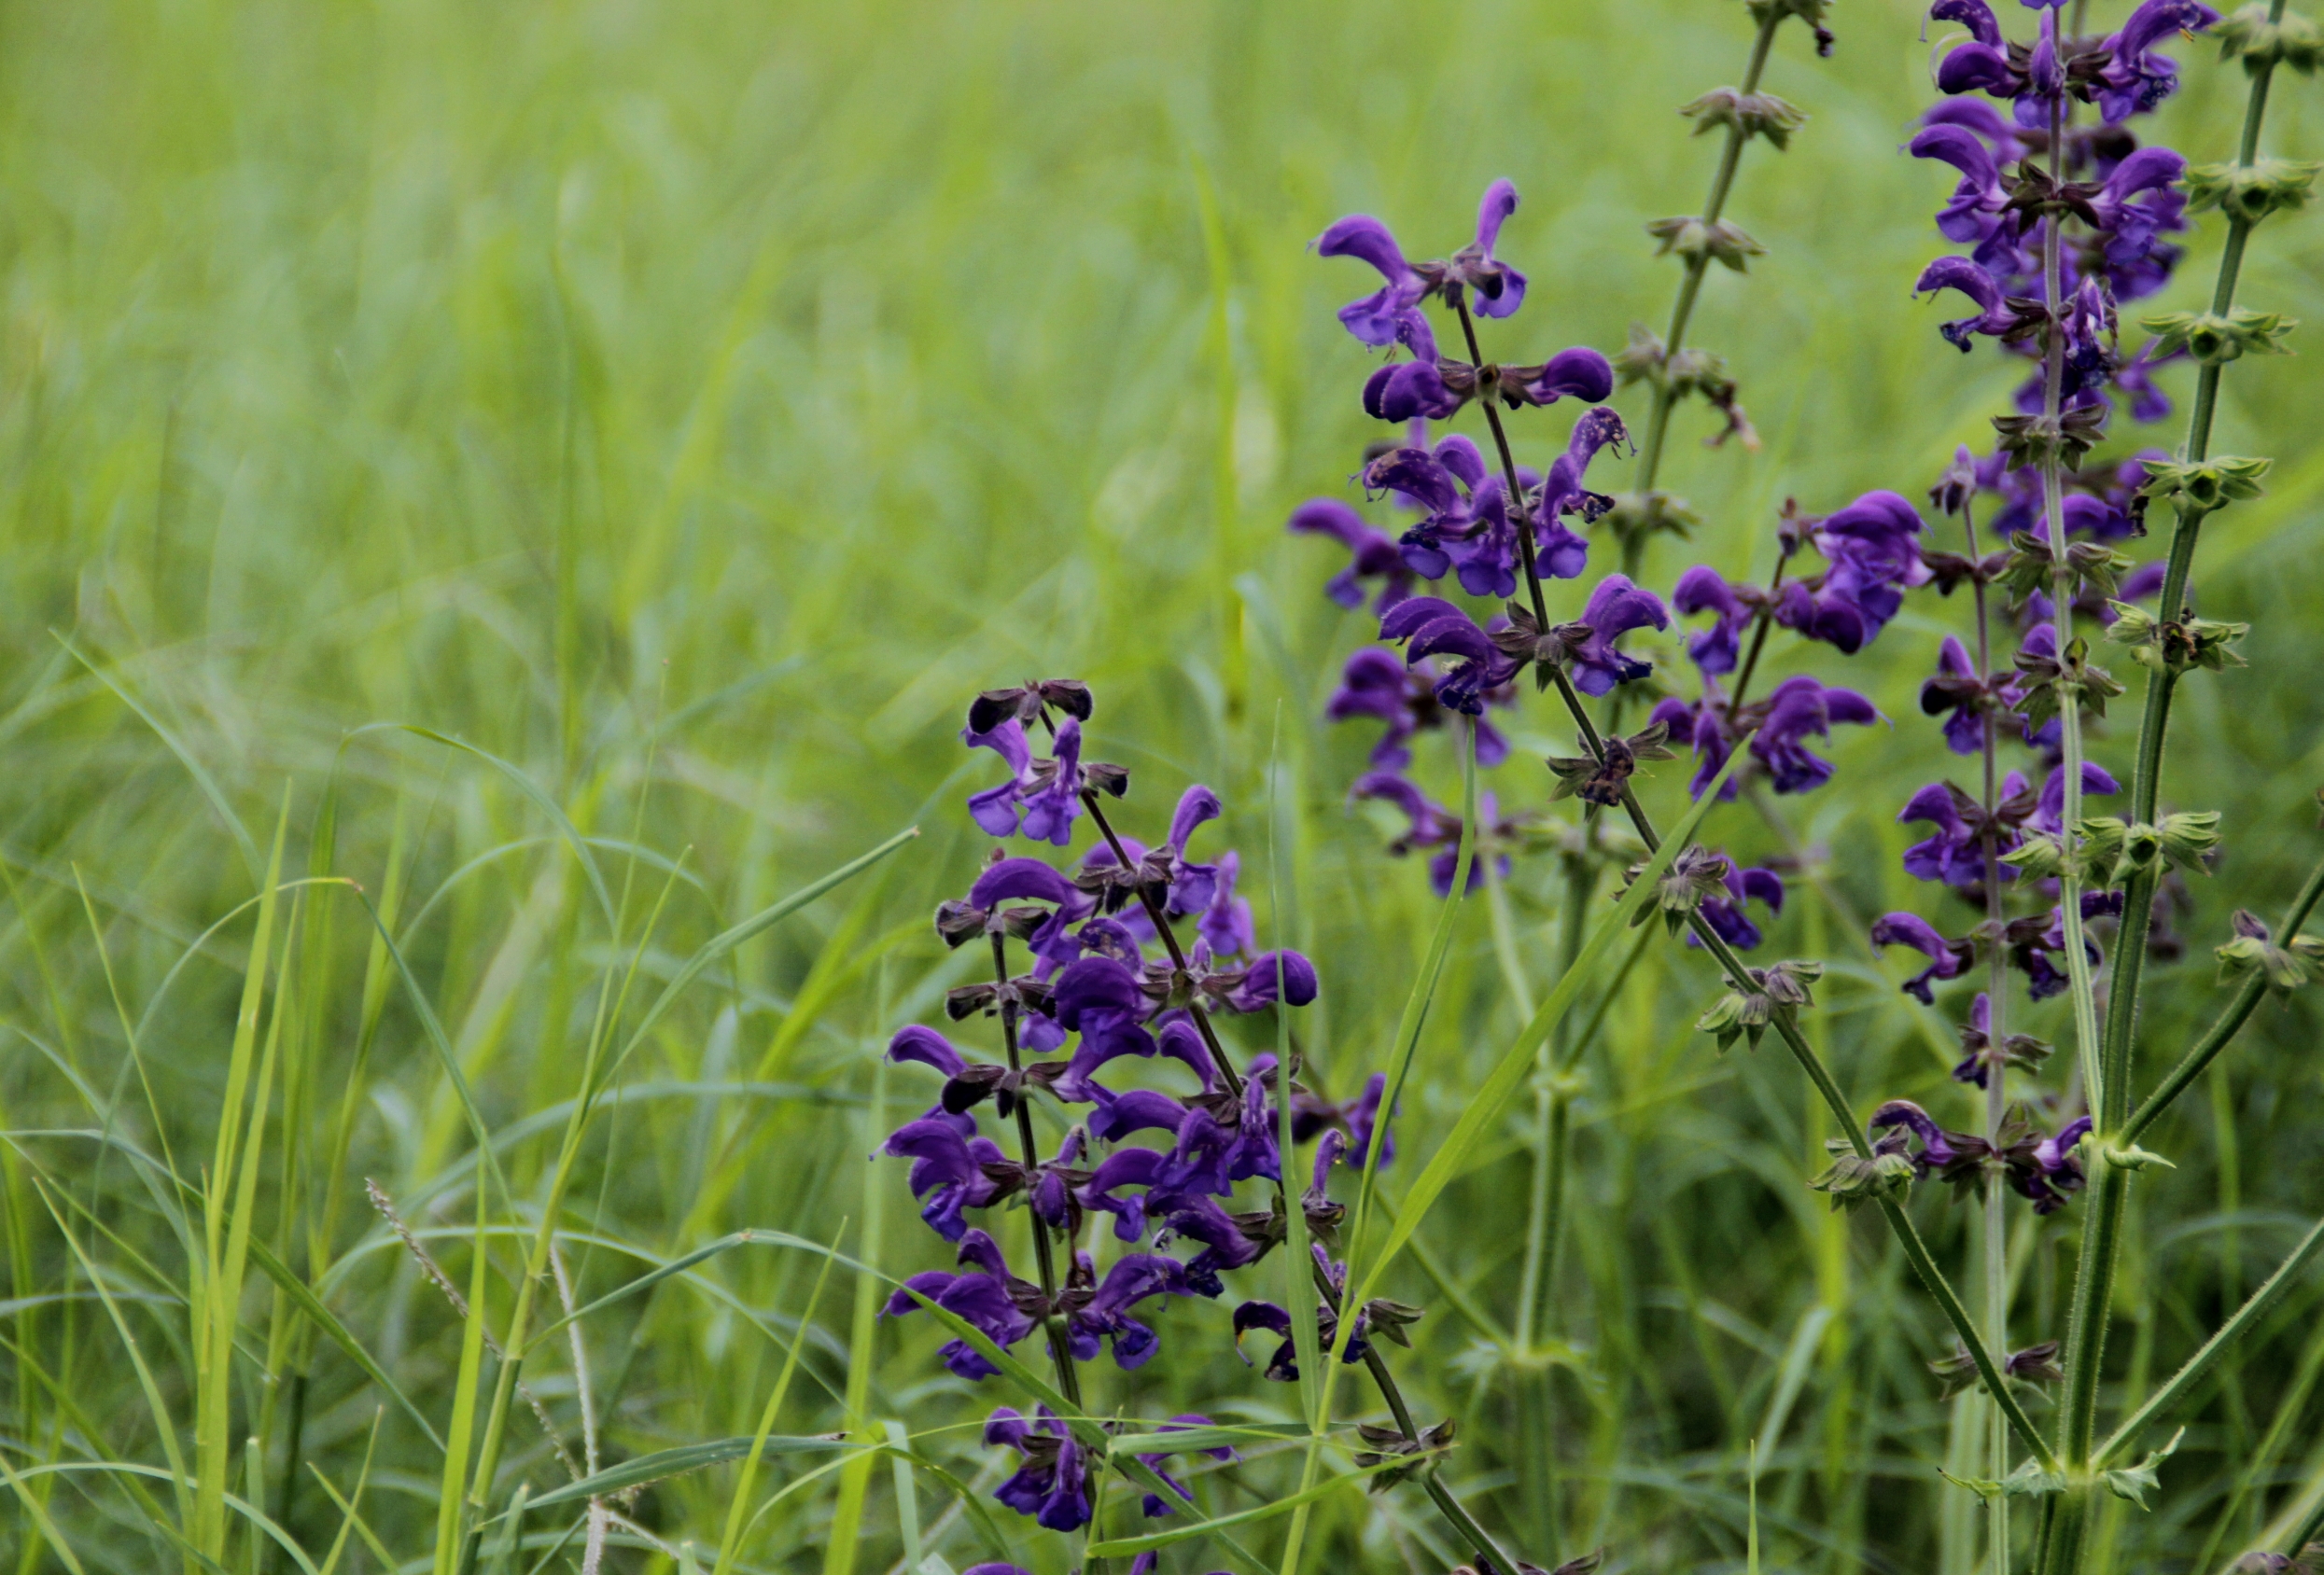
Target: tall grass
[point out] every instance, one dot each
(665, 416)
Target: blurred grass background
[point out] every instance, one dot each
(691, 405)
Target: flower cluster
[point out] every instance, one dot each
(1108, 983)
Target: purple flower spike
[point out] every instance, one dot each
(1947, 959)
(1376, 683)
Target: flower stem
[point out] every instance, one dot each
(1690, 282)
(1787, 1027)
(2094, 1286)
(1516, 501)
(1996, 1218)
(1069, 1377)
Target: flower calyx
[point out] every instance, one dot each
(1416, 1456)
(2034, 565)
(1603, 782)
(2031, 440)
(1020, 995)
(1751, 1003)
(2035, 194)
(974, 1083)
(2022, 1051)
(2262, 43)
(2114, 850)
(1811, 12)
(2042, 680)
(2214, 339)
(2285, 968)
(1637, 516)
(1028, 702)
(2205, 484)
(1853, 1180)
(1701, 242)
(1751, 115)
(2176, 644)
(2247, 193)
(1694, 876)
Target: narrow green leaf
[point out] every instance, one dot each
(1120, 1545)
(678, 1462)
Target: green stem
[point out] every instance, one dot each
(1690, 282)
(1069, 1377)
(2094, 1286)
(1916, 1250)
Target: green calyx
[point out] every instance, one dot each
(1750, 1004)
(2214, 339)
(2175, 645)
(2261, 42)
(1695, 239)
(2286, 968)
(2205, 484)
(2247, 193)
(2114, 850)
(1761, 115)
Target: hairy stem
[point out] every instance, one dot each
(1916, 1250)
(2094, 1281)
(1690, 282)
(1069, 1376)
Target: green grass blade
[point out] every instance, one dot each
(1452, 1158)
(338, 1334)
(729, 1541)
(665, 1463)
(1153, 1540)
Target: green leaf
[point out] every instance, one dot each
(2135, 1482)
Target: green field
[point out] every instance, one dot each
(550, 478)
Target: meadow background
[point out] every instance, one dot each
(690, 405)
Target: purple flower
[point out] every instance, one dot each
(1042, 797)
(986, 1300)
(1873, 548)
(1376, 683)
(1466, 525)
(1373, 554)
(1560, 553)
(1959, 273)
(1358, 1117)
(1699, 590)
(1725, 916)
(1960, 695)
(1938, 1147)
(1053, 1484)
(1436, 628)
(948, 1161)
(1386, 316)
(1224, 926)
(1947, 959)
(1616, 607)
(1283, 1366)
(1105, 1316)
(1798, 708)
(1955, 853)
(2133, 81)
(1432, 826)
(1499, 288)
(2055, 1174)
(1103, 1001)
